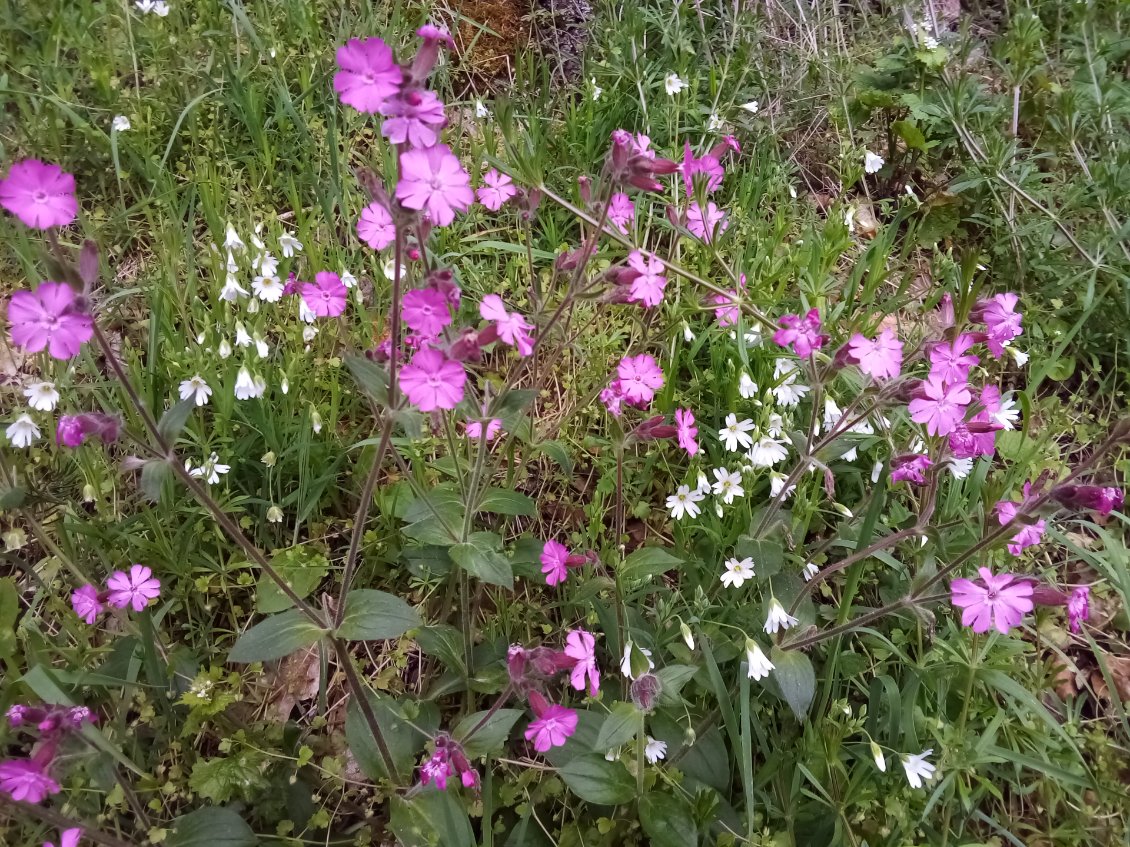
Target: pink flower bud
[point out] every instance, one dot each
(645, 691)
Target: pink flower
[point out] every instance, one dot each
(1078, 607)
(47, 317)
(881, 358)
(553, 727)
(325, 297)
(648, 286)
(727, 311)
(375, 227)
(710, 165)
(1000, 319)
(26, 780)
(369, 75)
(640, 377)
(621, 212)
(581, 646)
(940, 406)
(67, 838)
(17, 714)
(40, 195)
(706, 225)
(999, 601)
(436, 769)
(433, 381)
(86, 603)
(497, 189)
(434, 181)
(425, 311)
(909, 468)
(612, 397)
(1101, 500)
(475, 429)
(686, 430)
(410, 117)
(801, 333)
(554, 556)
(513, 329)
(949, 362)
(73, 430)
(135, 589)
(1029, 534)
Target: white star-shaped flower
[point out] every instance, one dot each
(42, 396)
(196, 388)
(737, 572)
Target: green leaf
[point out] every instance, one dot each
(621, 725)
(212, 826)
(277, 636)
(372, 377)
(667, 820)
(174, 419)
(503, 501)
(911, 134)
(768, 556)
(405, 725)
(372, 615)
(443, 642)
(515, 400)
(481, 558)
(431, 819)
(596, 780)
(428, 560)
(647, 562)
(672, 679)
(435, 518)
(490, 737)
(302, 569)
(556, 451)
(796, 679)
(9, 612)
(226, 777)
(153, 476)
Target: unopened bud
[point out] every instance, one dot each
(688, 636)
(645, 691)
(880, 759)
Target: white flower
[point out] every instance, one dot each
(767, 452)
(260, 385)
(1018, 356)
(242, 339)
(224, 349)
(752, 107)
(876, 472)
(960, 468)
(777, 485)
(120, 123)
(22, 432)
(161, 8)
(1008, 414)
(284, 386)
(674, 84)
(776, 425)
(232, 290)
(274, 515)
(289, 245)
(688, 336)
(872, 162)
(248, 388)
(261, 346)
(703, 484)
(195, 387)
(849, 218)
(788, 391)
(685, 502)
(388, 266)
(481, 111)
(758, 664)
(626, 661)
(792, 191)
(655, 750)
(810, 570)
(843, 510)
(917, 768)
(688, 636)
(747, 388)
(315, 420)
(232, 242)
(596, 89)
(753, 337)
(252, 307)
(268, 265)
(832, 413)
(851, 455)
(211, 470)
(735, 433)
(230, 263)
(42, 396)
(778, 618)
(728, 485)
(268, 288)
(348, 279)
(737, 572)
(929, 42)
(880, 759)
(714, 123)
(308, 333)
(305, 313)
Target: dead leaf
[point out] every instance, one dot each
(295, 680)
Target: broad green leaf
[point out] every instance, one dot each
(372, 615)
(667, 820)
(503, 501)
(212, 826)
(372, 377)
(302, 569)
(174, 419)
(436, 518)
(672, 679)
(491, 736)
(621, 725)
(431, 818)
(648, 561)
(427, 560)
(443, 642)
(797, 680)
(768, 556)
(275, 637)
(596, 780)
(481, 558)
(153, 476)
(911, 134)
(405, 725)
(556, 451)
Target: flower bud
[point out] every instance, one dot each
(654, 428)
(688, 636)
(516, 660)
(880, 759)
(645, 691)
(584, 187)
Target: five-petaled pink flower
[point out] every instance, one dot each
(39, 194)
(952, 362)
(413, 117)
(368, 74)
(554, 556)
(513, 329)
(432, 180)
(47, 318)
(621, 212)
(647, 288)
(1029, 534)
(801, 333)
(910, 468)
(685, 430)
(554, 724)
(639, 378)
(881, 358)
(496, 190)
(1001, 320)
(135, 589)
(425, 311)
(939, 405)
(375, 226)
(437, 769)
(475, 429)
(433, 381)
(86, 603)
(325, 296)
(581, 646)
(997, 601)
(26, 780)
(708, 224)
(67, 837)
(1078, 607)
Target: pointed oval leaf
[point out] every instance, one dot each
(667, 820)
(619, 727)
(213, 826)
(596, 780)
(795, 677)
(372, 615)
(490, 737)
(275, 637)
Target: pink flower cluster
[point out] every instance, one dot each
(801, 333)
(637, 380)
(136, 590)
(29, 780)
(447, 761)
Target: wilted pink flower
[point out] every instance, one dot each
(554, 724)
(581, 646)
(881, 358)
(496, 190)
(39, 194)
(613, 398)
(47, 317)
(686, 430)
(727, 311)
(1000, 319)
(647, 288)
(73, 430)
(17, 714)
(475, 429)
(325, 297)
(86, 603)
(639, 377)
(999, 601)
(707, 224)
(1098, 499)
(413, 117)
(951, 363)
(67, 838)
(621, 212)
(1029, 534)
(425, 58)
(368, 74)
(909, 468)
(801, 333)
(434, 181)
(425, 311)
(433, 381)
(513, 329)
(26, 780)
(553, 562)
(1078, 607)
(375, 226)
(939, 405)
(136, 589)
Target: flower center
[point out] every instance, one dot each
(39, 196)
